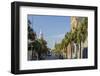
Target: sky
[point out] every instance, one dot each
(53, 28)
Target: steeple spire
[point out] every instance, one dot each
(41, 34)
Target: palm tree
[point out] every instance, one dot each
(64, 45)
(82, 33)
(57, 48)
(84, 29)
(67, 41)
(76, 41)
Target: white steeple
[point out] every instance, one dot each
(40, 34)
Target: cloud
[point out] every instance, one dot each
(56, 36)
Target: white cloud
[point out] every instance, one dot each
(57, 36)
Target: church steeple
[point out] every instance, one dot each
(41, 35)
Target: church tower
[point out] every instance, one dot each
(41, 35)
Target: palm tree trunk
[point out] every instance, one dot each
(80, 49)
(71, 50)
(66, 53)
(77, 50)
